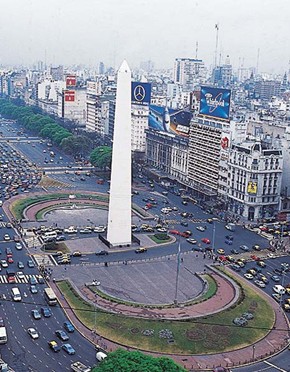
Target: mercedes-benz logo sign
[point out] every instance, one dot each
(139, 93)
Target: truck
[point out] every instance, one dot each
(80, 367)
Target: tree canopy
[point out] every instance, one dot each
(101, 157)
(135, 361)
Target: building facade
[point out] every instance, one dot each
(188, 72)
(254, 182)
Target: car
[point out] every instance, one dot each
(234, 251)
(68, 326)
(191, 241)
(53, 345)
(16, 238)
(33, 289)
(205, 240)
(229, 237)
(99, 229)
(229, 242)
(162, 229)
(4, 263)
(18, 246)
(230, 258)
(248, 276)
(6, 237)
(275, 278)
(20, 275)
(286, 307)
(102, 253)
(221, 251)
(252, 271)
(141, 250)
(46, 312)
(261, 263)
(278, 270)
(236, 267)
(241, 322)
(260, 283)
(32, 280)
(277, 297)
(20, 265)
(240, 263)
(184, 202)
(244, 248)
(10, 260)
(30, 263)
(200, 228)
(68, 349)
(256, 247)
(264, 279)
(8, 250)
(85, 231)
(76, 254)
(36, 314)
(61, 335)
(60, 238)
(33, 333)
(184, 223)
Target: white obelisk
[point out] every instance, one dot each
(119, 220)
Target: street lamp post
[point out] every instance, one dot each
(177, 272)
(213, 236)
(254, 348)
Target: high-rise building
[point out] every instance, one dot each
(266, 89)
(188, 72)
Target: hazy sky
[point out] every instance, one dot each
(88, 31)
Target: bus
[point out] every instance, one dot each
(50, 296)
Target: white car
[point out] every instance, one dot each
(4, 263)
(260, 283)
(248, 276)
(71, 230)
(100, 229)
(33, 333)
(200, 228)
(20, 275)
(18, 246)
(6, 237)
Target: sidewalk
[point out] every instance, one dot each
(272, 343)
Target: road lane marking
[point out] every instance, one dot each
(276, 367)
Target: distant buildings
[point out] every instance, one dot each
(189, 72)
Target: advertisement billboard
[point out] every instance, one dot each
(70, 81)
(168, 120)
(69, 95)
(252, 188)
(140, 93)
(215, 102)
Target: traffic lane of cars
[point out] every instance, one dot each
(272, 264)
(46, 328)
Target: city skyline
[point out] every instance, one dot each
(253, 34)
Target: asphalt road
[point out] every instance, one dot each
(20, 351)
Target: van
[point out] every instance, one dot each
(101, 356)
(278, 288)
(16, 295)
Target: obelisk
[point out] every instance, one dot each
(119, 219)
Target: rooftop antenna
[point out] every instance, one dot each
(196, 49)
(216, 43)
(258, 57)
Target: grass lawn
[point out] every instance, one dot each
(204, 335)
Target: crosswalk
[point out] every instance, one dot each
(177, 222)
(42, 259)
(3, 224)
(32, 241)
(23, 280)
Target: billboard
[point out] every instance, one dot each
(70, 81)
(140, 93)
(168, 120)
(69, 95)
(252, 188)
(215, 102)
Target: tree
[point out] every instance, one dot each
(101, 157)
(135, 361)
(76, 145)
